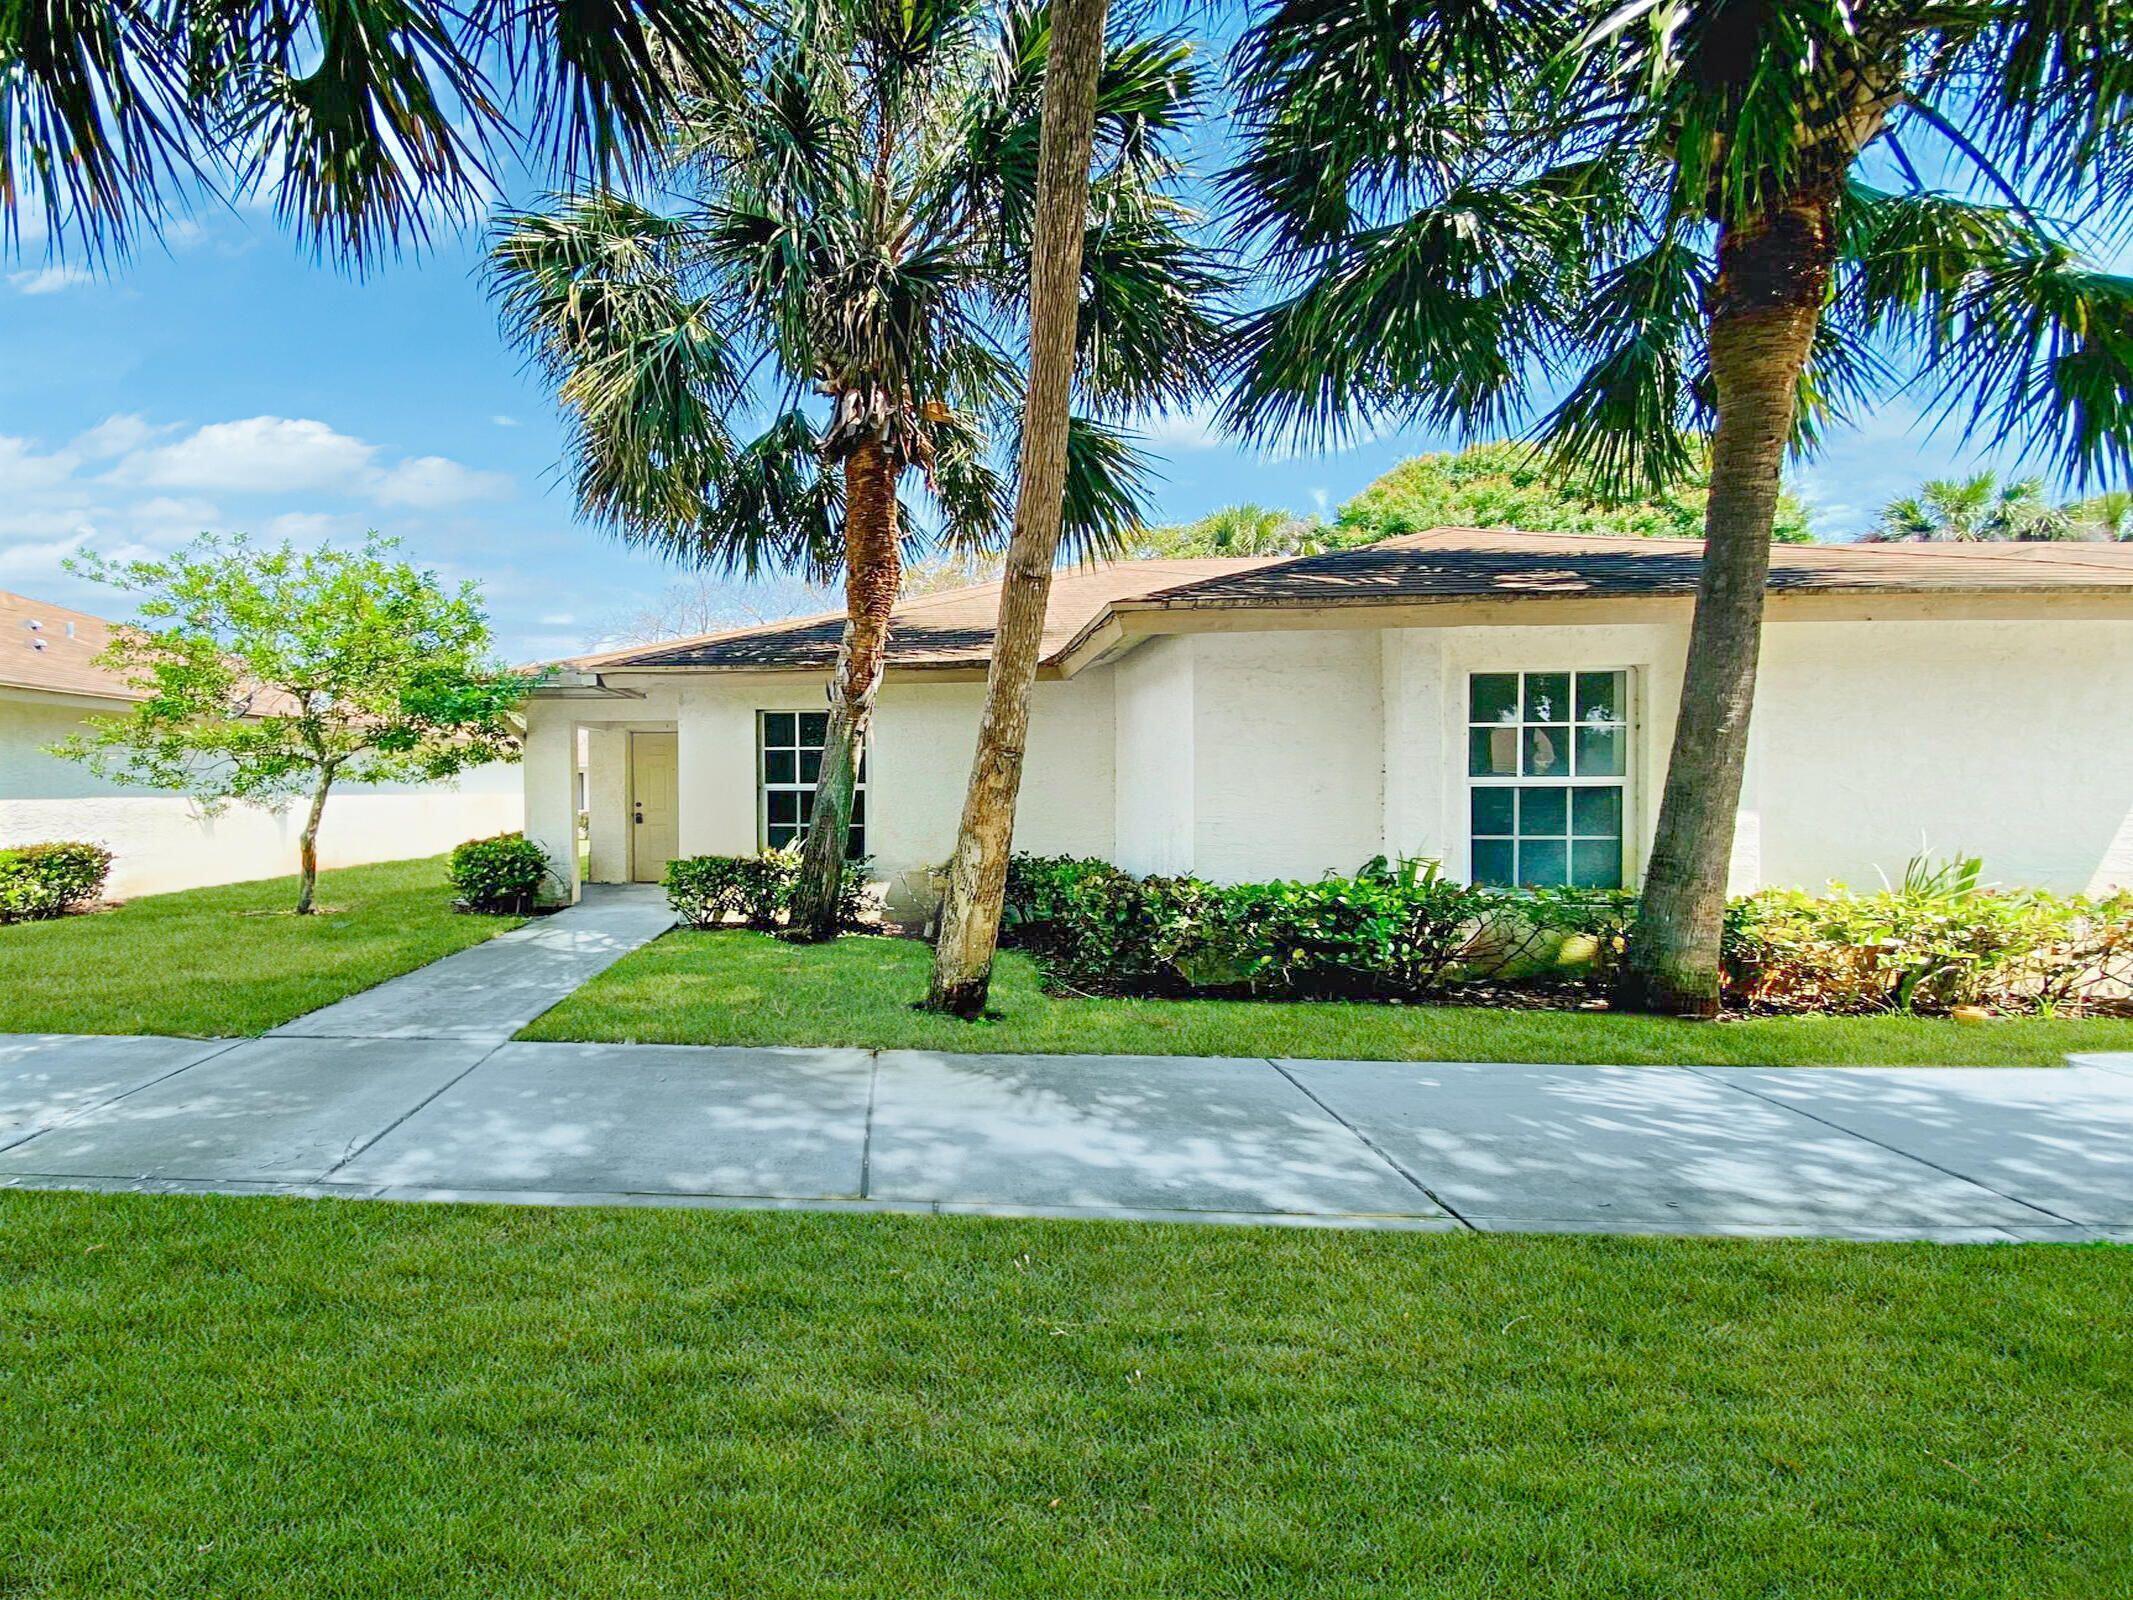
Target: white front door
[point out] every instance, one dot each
(655, 828)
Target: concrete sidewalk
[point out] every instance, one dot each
(491, 990)
(1954, 1154)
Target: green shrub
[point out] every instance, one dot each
(706, 891)
(49, 880)
(1397, 930)
(503, 874)
(1402, 931)
(1936, 942)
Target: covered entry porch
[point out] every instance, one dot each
(602, 775)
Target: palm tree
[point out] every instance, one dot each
(1241, 530)
(2108, 515)
(841, 263)
(1680, 217)
(1976, 507)
(364, 118)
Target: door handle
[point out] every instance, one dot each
(640, 818)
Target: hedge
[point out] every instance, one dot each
(706, 891)
(1401, 930)
(500, 874)
(49, 880)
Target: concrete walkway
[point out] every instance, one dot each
(1954, 1154)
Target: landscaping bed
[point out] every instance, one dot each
(735, 987)
(230, 960)
(315, 1398)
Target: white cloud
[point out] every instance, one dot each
(50, 280)
(430, 481)
(116, 436)
(1185, 430)
(504, 422)
(259, 455)
(310, 527)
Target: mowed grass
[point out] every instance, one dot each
(230, 960)
(738, 988)
(225, 1396)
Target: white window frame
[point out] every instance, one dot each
(1626, 781)
(764, 788)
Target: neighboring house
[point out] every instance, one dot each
(1501, 701)
(49, 682)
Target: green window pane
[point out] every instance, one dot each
(810, 766)
(1492, 752)
(1492, 862)
(779, 766)
(1600, 752)
(1543, 811)
(814, 728)
(1492, 697)
(1596, 813)
(1547, 752)
(855, 842)
(806, 797)
(1600, 697)
(777, 728)
(781, 807)
(1543, 864)
(778, 836)
(1596, 863)
(1547, 697)
(859, 807)
(1492, 811)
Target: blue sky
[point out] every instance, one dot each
(227, 382)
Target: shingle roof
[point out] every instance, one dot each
(1469, 563)
(51, 648)
(955, 629)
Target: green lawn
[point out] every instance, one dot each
(230, 960)
(733, 987)
(221, 1396)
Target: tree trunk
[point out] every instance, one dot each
(307, 849)
(977, 874)
(1773, 274)
(873, 568)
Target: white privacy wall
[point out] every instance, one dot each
(162, 842)
(1155, 756)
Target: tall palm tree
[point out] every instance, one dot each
(824, 312)
(2108, 515)
(363, 118)
(1977, 507)
(1676, 217)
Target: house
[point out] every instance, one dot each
(1502, 701)
(49, 682)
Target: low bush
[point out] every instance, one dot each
(49, 880)
(1403, 931)
(1397, 930)
(706, 891)
(503, 874)
(1937, 941)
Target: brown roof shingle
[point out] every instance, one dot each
(955, 629)
(51, 648)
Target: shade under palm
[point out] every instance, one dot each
(824, 316)
(1650, 220)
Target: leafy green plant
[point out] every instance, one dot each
(706, 891)
(49, 880)
(500, 874)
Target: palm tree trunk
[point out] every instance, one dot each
(307, 849)
(1773, 275)
(977, 874)
(873, 568)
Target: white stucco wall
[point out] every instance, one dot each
(162, 842)
(1154, 757)
(1288, 753)
(2012, 741)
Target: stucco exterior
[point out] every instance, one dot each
(1245, 748)
(160, 842)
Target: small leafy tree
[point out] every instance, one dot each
(1974, 508)
(271, 674)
